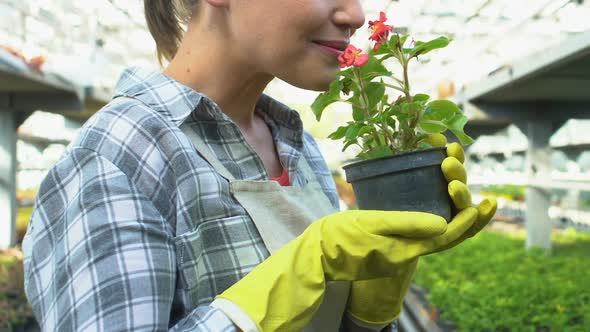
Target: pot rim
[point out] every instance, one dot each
(368, 168)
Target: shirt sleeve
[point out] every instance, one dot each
(100, 257)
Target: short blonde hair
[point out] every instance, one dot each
(166, 21)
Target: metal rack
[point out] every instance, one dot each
(21, 93)
(538, 94)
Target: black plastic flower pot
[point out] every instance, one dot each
(406, 182)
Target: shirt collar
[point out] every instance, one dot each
(177, 101)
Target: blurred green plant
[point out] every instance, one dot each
(14, 308)
(510, 191)
(23, 215)
(490, 283)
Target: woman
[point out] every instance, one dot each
(164, 212)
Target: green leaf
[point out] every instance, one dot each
(365, 130)
(379, 152)
(353, 131)
(392, 122)
(348, 144)
(403, 39)
(432, 126)
(368, 140)
(392, 44)
(339, 133)
(383, 49)
(413, 106)
(441, 109)
(436, 112)
(424, 146)
(456, 125)
(347, 73)
(421, 97)
(372, 69)
(375, 92)
(347, 85)
(415, 98)
(326, 98)
(358, 114)
(422, 48)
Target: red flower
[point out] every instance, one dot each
(352, 57)
(379, 30)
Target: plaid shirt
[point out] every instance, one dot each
(134, 230)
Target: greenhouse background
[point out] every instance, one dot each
(519, 69)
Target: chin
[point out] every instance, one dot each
(319, 84)
(311, 77)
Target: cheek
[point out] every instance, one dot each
(291, 23)
(279, 42)
(311, 70)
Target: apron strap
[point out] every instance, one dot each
(204, 150)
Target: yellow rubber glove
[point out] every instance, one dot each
(284, 292)
(378, 302)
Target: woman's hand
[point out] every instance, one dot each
(284, 292)
(378, 302)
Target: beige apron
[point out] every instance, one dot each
(281, 214)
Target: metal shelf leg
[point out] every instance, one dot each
(7, 179)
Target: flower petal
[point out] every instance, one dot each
(361, 60)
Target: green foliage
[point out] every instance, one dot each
(421, 48)
(383, 127)
(490, 283)
(14, 308)
(327, 98)
(510, 191)
(23, 215)
(441, 115)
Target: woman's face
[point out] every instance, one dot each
(279, 37)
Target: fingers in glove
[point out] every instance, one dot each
(460, 194)
(436, 140)
(453, 169)
(455, 150)
(408, 224)
(462, 222)
(486, 210)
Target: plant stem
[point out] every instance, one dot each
(365, 101)
(398, 80)
(394, 87)
(407, 81)
(409, 135)
(388, 137)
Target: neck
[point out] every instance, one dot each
(224, 75)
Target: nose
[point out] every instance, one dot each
(349, 15)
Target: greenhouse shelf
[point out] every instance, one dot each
(581, 183)
(41, 140)
(23, 91)
(538, 94)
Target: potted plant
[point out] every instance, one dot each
(401, 140)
